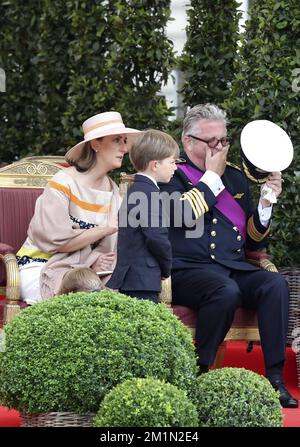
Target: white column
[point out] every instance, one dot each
(176, 33)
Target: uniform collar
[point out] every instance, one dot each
(185, 159)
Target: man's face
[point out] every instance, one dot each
(206, 130)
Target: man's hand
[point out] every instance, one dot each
(216, 162)
(275, 182)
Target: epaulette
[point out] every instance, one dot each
(180, 160)
(233, 166)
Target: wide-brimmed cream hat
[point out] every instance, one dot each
(101, 125)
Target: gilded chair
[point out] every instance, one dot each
(244, 326)
(20, 185)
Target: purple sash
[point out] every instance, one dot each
(226, 204)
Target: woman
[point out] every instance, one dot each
(75, 219)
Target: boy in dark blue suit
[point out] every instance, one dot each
(144, 254)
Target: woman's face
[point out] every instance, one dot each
(111, 150)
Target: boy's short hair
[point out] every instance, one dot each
(152, 145)
(81, 279)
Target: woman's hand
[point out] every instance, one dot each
(104, 262)
(87, 237)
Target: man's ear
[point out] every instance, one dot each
(187, 143)
(95, 145)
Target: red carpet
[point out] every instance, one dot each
(236, 356)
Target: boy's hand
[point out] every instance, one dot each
(104, 262)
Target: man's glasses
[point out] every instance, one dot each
(213, 142)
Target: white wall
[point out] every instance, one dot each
(176, 32)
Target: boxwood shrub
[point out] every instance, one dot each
(146, 403)
(236, 397)
(65, 354)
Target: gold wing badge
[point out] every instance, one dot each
(239, 195)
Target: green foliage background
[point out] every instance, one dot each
(65, 61)
(210, 50)
(251, 74)
(263, 89)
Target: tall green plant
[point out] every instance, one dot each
(53, 71)
(210, 50)
(66, 61)
(19, 105)
(264, 88)
(124, 67)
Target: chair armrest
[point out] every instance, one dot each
(12, 289)
(5, 249)
(261, 259)
(165, 295)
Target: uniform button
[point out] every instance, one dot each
(235, 228)
(239, 237)
(212, 256)
(212, 246)
(238, 250)
(215, 221)
(213, 233)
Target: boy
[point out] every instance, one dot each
(144, 251)
(81, 279)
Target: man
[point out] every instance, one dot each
(210, 273)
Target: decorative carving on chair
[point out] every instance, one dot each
(31, 172)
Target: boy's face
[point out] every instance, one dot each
(165, 169)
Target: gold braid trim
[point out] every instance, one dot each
(186, 196)
(202, 199)
(250, 177)
(254, 233)
(197, 202)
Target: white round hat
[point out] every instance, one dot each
(267, 146)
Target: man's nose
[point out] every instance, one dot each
(219, 146)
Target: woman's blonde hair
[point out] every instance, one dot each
(152, 145)
(81, 279)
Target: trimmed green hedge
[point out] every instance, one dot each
(146, 403)
(66, 353)
(236, 397)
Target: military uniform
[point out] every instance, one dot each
(210, 273)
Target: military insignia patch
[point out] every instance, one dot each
(239, 195)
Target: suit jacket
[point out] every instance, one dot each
(221, 241)
(144, 250)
